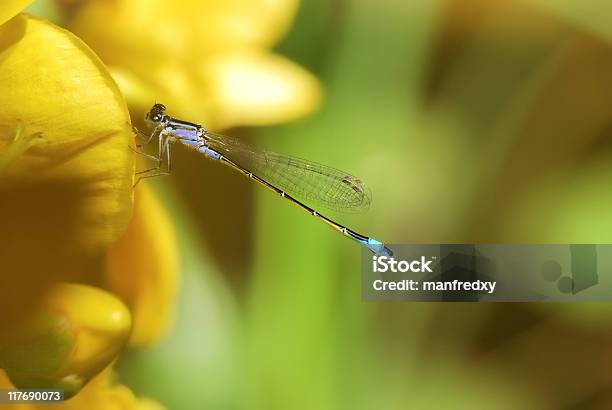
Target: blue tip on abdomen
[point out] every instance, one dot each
(378, 248)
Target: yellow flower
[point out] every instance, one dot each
(208, 60)
(65, 200)
(66, 176)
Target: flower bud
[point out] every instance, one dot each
(77, 332)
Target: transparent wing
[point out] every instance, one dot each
(306, 180)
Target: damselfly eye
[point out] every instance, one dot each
(156, 114)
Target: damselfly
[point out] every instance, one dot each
(289, 177)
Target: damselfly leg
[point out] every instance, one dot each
(163, 158)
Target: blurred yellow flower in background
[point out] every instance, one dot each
(208, 60)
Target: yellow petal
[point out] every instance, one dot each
(178, 86)
(260, 89)
(10, 8)
(239, 24)
(78, 331)
(142, 268)
(65, 200)
(131, 30)
(228, 90)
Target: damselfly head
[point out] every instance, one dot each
(155, 115)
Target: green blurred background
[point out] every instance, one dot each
(471, 121)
